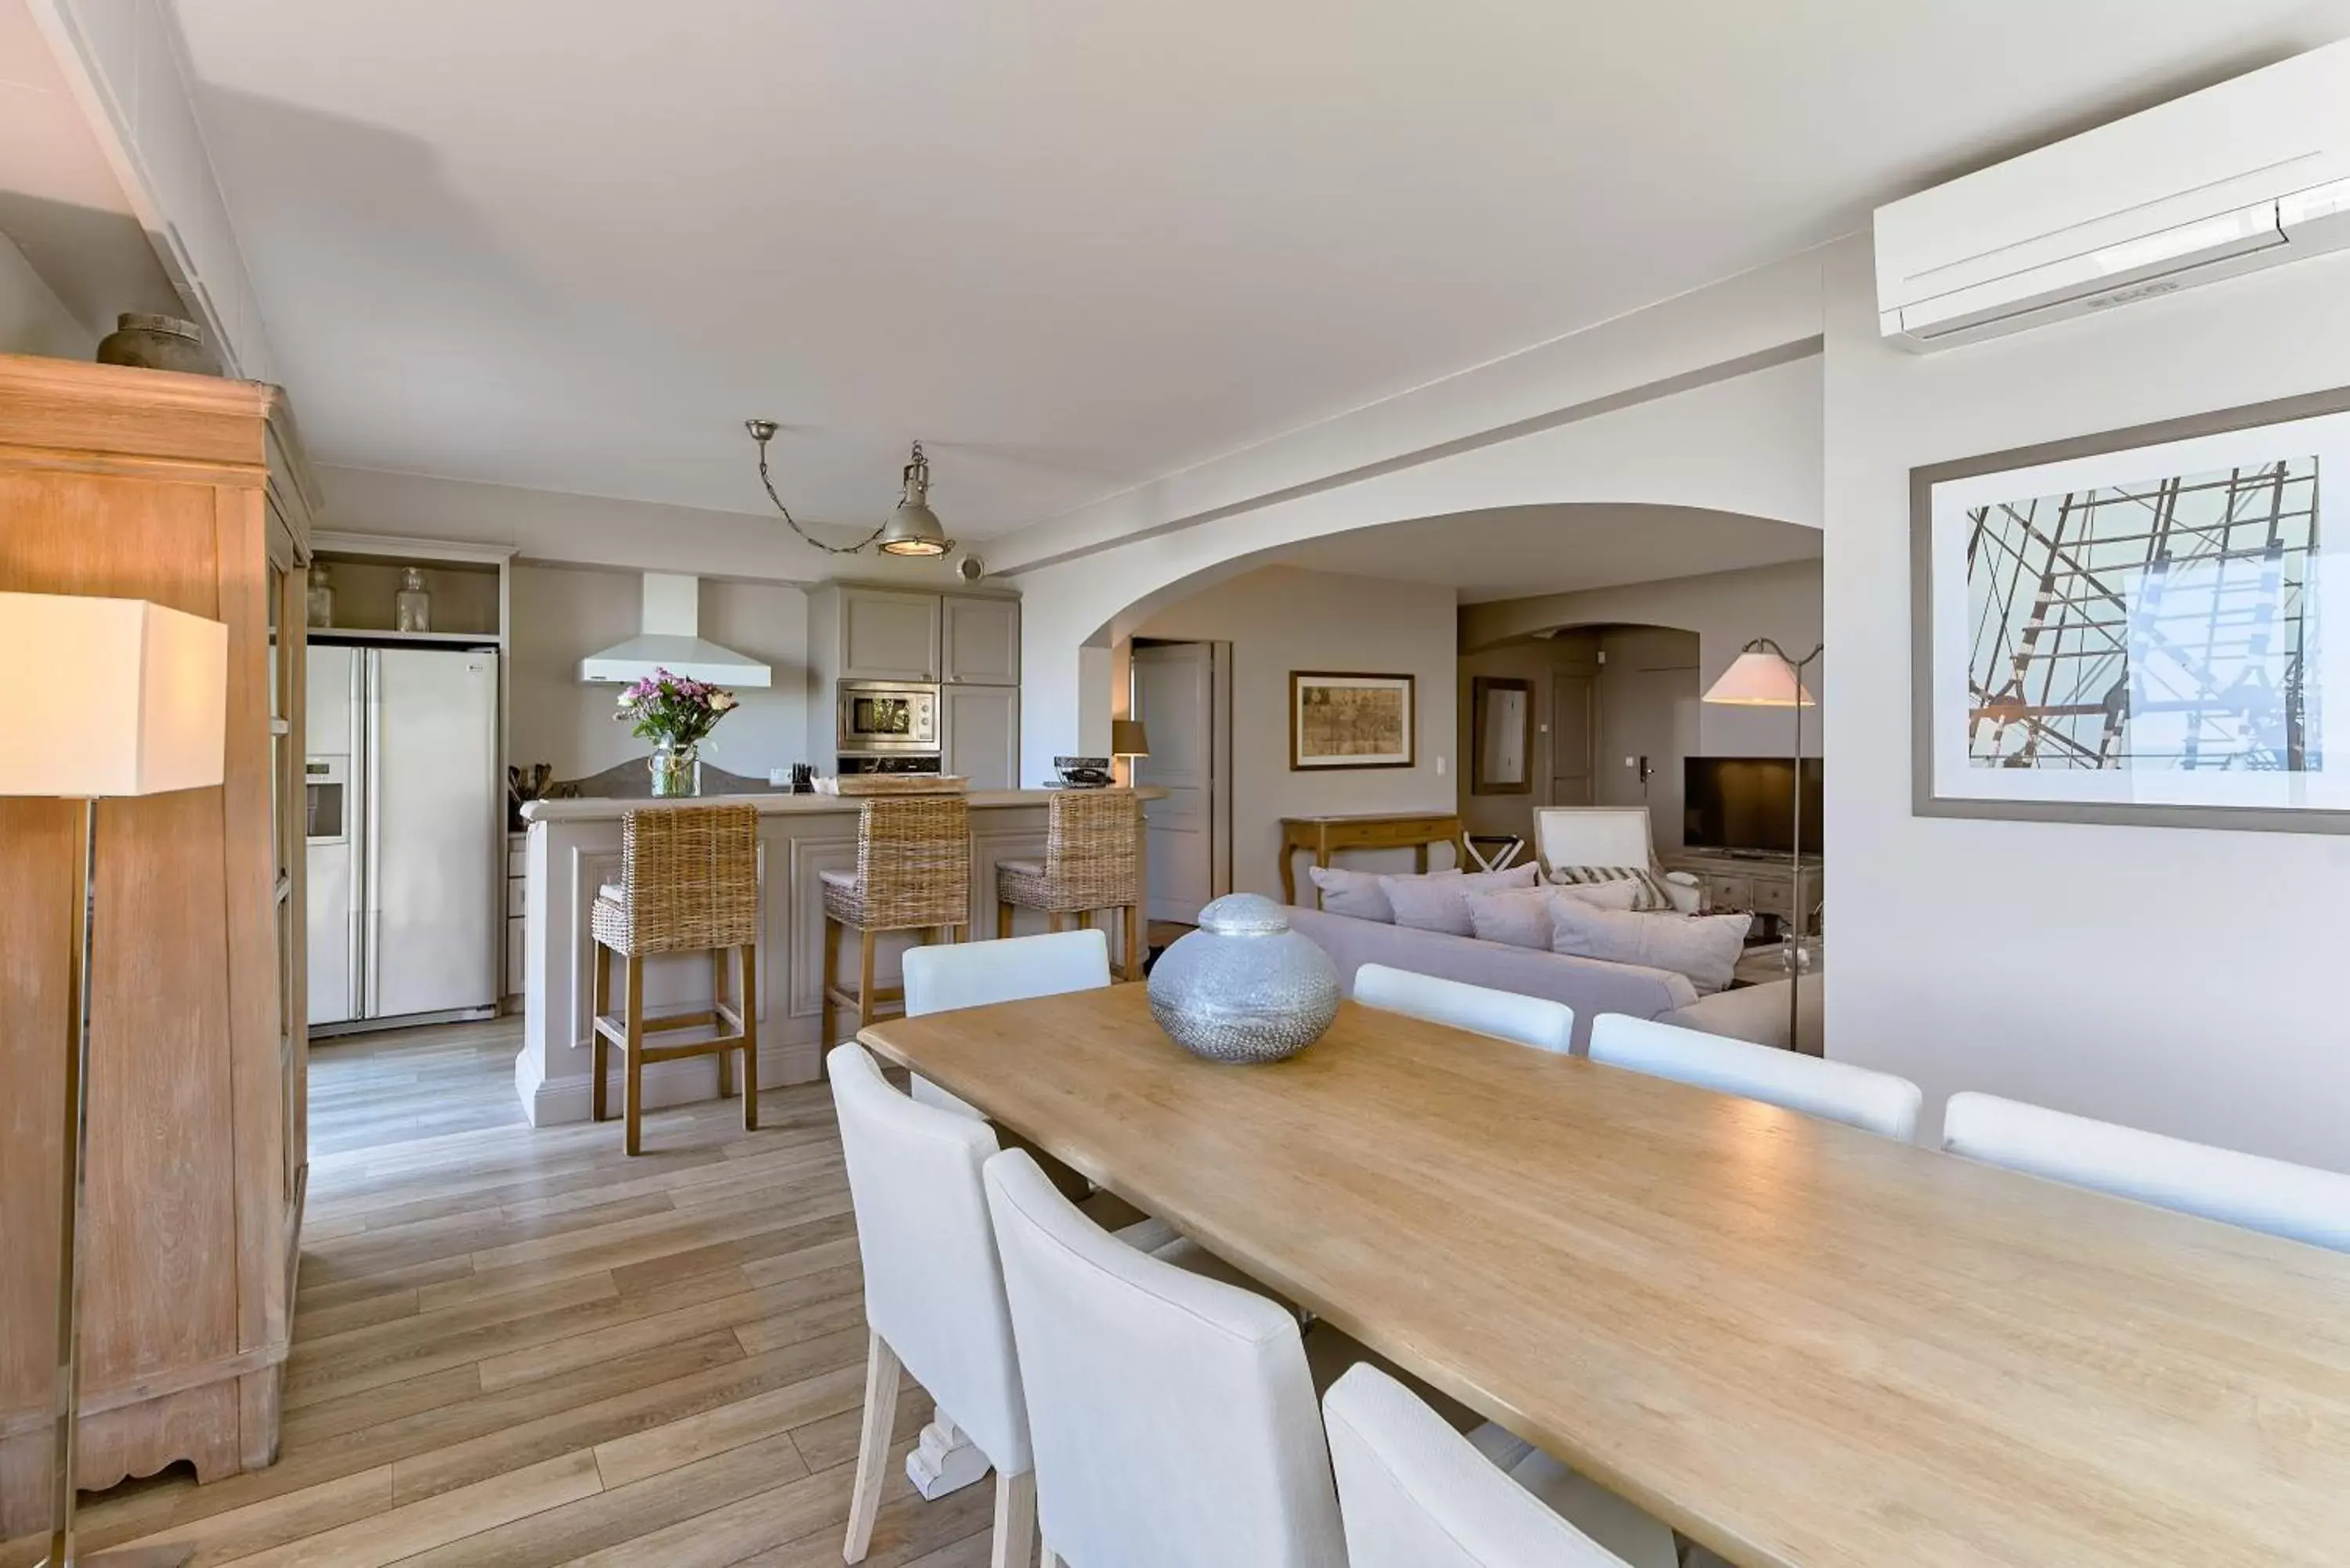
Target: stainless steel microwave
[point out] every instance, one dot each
(886, 718)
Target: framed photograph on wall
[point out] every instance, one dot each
(1343, 720)
(2138, 627)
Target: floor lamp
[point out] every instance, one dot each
(135, 702)
(1765, 675)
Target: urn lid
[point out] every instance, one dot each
(1244, 915)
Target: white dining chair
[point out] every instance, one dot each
(1529, 1020)
(934, 1291)
(1173, 1416)
(942, 977)
(2296, 1202)
(1836, 1091)
(1414, 1493)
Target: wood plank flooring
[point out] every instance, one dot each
(516, 1347)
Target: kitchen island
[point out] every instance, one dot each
(574, 846)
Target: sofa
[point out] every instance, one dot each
(1589, 986)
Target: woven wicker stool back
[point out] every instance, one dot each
(690, 879)
(1091, 847)
(913, 862)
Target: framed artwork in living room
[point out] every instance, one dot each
(2138, 627)
(1339, 720)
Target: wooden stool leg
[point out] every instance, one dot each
(717, 1000)
(865, 939)
(831, 1008)
(635, 1107)
(749, 999)
(1052, 920)
(599, 1004)
(1085, 919)
(1134, 942)
(1003, 919)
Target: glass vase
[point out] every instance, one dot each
(411, 608)
(676, 769)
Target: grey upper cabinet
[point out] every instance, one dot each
(889, 636)
(981, 732)
(981, 639)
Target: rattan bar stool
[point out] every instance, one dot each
(1093, 842)
(913, 873)
(689, 881)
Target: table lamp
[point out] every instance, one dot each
(134, 700)
(1128, 739)
(1764, 676)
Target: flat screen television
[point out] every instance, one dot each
(1747, 803)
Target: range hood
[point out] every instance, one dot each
(668, 637)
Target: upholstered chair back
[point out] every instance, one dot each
(1529, 1020)
(1174, 1420)
(1837, 1091)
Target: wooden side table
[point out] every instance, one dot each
(1380, 830)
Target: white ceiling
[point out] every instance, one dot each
(571, 245)
(1518, 552)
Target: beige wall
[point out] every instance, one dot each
(1725, 610)
(1535, 661)
(32, 318)
(1280, 618)
(561, 615)
(547, 525)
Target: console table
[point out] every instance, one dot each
(1378, 830)
(1763, 886)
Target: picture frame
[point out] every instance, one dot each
(1501, 736)
(1343, 720)
(2138, 627)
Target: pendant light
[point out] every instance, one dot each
(912, 529)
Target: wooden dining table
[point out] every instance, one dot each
(1800, 1344)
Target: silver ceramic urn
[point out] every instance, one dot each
(1244, 987)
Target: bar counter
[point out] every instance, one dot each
(575, 847)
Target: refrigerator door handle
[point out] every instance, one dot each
(371, 677)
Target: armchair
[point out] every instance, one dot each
(1608, 835)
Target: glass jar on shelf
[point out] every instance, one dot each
(411, 608)
(321, 596)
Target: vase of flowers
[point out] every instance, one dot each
(675, 714)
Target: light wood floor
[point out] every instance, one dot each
(516, 1346)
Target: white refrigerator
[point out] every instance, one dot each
(406, 834)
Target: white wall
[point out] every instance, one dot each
(1281, 618)
(1745, 443)
(32, 318)
(562, 614)
(2184, 982)
(1726, 609)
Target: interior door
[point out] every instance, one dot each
(1174, 696)
(434, 876)
(1570, 739)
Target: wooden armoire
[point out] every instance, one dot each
(191, 492)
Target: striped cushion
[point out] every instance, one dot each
(1650, 896)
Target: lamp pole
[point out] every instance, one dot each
(1796, 844)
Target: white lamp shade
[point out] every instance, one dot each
(110, 697)
(1759, 679)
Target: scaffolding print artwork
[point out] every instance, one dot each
(2157, 626)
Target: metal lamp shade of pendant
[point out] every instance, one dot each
(1761, 679)
(914, 529)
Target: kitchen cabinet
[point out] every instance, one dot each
(979, 641)
(980, 736)
(889, 636)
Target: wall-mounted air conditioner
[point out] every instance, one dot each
(2244, 175)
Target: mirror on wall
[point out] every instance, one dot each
(1502, 749)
